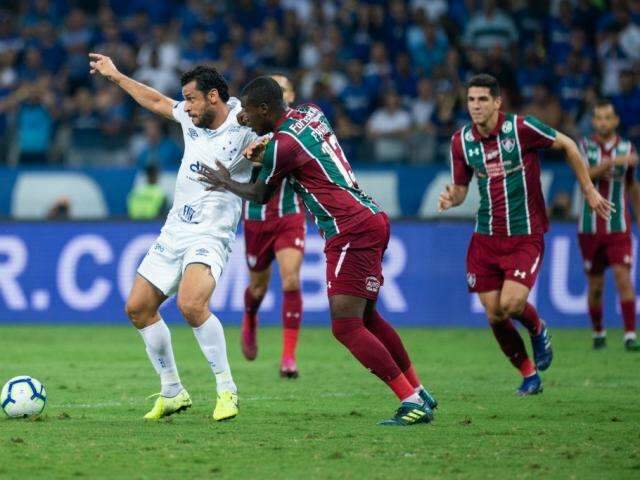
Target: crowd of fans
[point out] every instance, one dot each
(389, 74)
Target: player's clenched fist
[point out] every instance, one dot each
(445, 201)
(103, 65)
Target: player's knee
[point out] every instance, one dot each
(258, 290)
(137, 313)
(495, 316)
(512, 306)
(290, 281)
(193, 311)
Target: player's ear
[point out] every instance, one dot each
(213, 95)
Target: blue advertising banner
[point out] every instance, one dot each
(82, 272)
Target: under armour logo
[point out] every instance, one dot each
(474, 151)
(520, 274)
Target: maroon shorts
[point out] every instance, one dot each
(493, 259)
(601, 250)
(354, 258)
(263, 239)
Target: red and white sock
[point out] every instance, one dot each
(628, 308)
(291, 319)
(513, 347)
(595, 314)
(372, 354)
(530, 320)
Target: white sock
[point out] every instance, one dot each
(630, 336)
(415, 398)
(157, 339)
(210, 336)
(418, 389)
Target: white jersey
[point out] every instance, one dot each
(196, 210)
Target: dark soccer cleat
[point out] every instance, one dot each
(599, 343)
(428, 399)
(248, 340)
(288, 368)
(542, 351)
(530, 386)
(409, 414)
(631, 345)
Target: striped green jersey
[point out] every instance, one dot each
(508, 171)
(285, 201)
(612, 185)
(305, 151)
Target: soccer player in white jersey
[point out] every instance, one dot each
(194, 244)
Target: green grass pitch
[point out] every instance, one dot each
(586, 424)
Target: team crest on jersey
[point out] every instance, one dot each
(252, 260)
(192, 133)
(469, 136)
(508, 143)
(471, 279)
(507, 127)
(372, 284)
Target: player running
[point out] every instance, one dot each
(305, 152)
(275, 230)
(506, 250)
(195, 241)
(607, 242)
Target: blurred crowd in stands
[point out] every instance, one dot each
(389, 74)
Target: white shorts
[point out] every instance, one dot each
(168, 257)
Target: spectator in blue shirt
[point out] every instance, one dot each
(627, 104)
(356, 96)
(157, 149)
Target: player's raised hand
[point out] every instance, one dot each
(598, 203)
(103, 65)
(445, 200)
(242, 118)
(215, 179)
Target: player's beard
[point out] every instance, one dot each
(206, 118)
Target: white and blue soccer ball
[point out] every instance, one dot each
(23, 396)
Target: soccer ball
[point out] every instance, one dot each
(23, 396)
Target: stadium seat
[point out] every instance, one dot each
(35, 192)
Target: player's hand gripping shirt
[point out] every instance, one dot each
(508, 172)
(196, 210)
(612, 185)
(305, 152)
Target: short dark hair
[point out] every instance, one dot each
(207, 78)
(604, 102)
(487, 81)
(263, 90)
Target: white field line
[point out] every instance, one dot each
(254, 398)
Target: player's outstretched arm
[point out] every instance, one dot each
(597, 203)
(452, 196)
(220, 179)
(146, 96)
